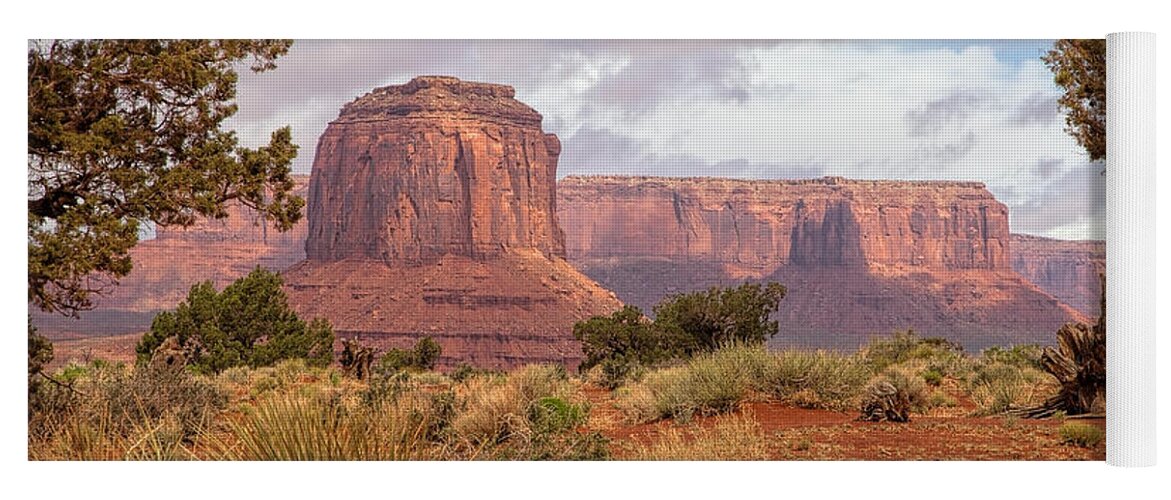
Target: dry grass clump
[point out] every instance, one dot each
(293, 427)
(1081, 434)
(732, 437)
(715, 383)
(997, 387)
(113, 413)
(818, 379)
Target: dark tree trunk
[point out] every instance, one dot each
(1079, 364)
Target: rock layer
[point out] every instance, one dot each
(818, 222)
(860, 257)
(430, 168)
(432, 212)
(1068, 270)
(165, 267)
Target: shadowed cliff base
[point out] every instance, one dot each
(842, 308)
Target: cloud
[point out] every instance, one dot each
(965, 110)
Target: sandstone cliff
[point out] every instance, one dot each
(430, 168)
(1068, 270)
(432, 212)
(165, 267)
(859, 257)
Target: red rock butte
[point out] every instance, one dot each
(432, 212)
(860, 258)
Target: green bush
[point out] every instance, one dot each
(249, 323)
(554, 414)
(1081, 434)
(626, 337)
(997, 387)
(1028, 355)
(421, 357)
(721, 316)
(907, 346)
(818, 379)
(291, 427)
(933, 377)
(150, 394)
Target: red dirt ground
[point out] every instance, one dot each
(805, 434)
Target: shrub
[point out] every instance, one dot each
(290, 427)
(733, 437)
(940, 399)
(626, 337)
(893, 395)
(708, 384)
(818, 379)
(554, 414)
(997, 387)
(1023, 356)
(1081, 434)
(721, 316)
(421, 357)
(612, 373)
(149, 394)
(496, 409)
(249, 323)
(933, 377)
(906, 346)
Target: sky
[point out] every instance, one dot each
(982, 110)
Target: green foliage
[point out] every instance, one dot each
(933, 377)
(617, 371)
(722, 315)
(124, 133)
(40, 352)
(1079, 68)
(249, 323)
(626, 336)
(997, 387)
(112, 404)
(1023, 356)
(818, 379)
(421, 357)
(907, 346)
(1081, 434)
(298, 428)
(554, 414)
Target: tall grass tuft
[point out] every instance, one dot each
(1081, 434)
(292, 427)
(818, 379)
(997, 387)
(733, 437)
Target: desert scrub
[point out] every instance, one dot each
(997, 387)
(907, 346)
(117, 413)
(529, 414)
(817, 379)
(149, 394)
(707, 384)
(293, 427)
(612, 373)
(1081, 434)
(1027, 355)
(893, 395)
(494, 408)
(733, 437)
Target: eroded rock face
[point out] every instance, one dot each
(432, 212)
(1068, 270)
(859, 257)
(819, 222)
(165, 267)
(434, 167)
